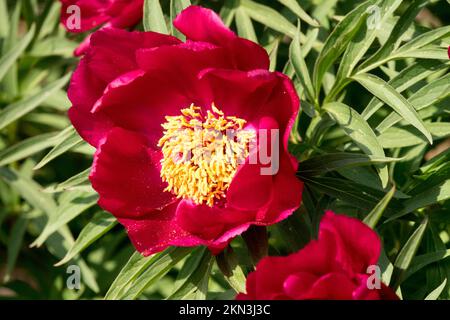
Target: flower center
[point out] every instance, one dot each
(201, 153)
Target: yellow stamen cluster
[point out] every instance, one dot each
(201, 153)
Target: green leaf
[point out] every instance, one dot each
(420, 262)
(294, 6)
(429, 52)
(382, 55)
(140, 272)
(29, 190)
(132, 269)
(71, 205)
(228, 10)
(193, 278)
(399, 137)
(361, 42)
(176, 6)
(10, 57)
(15, 243)
(159, 267)
(4, 19)
(334, 161)
(301, 70)
(27, 148)
(424, 39)
(244, 25)
(375, 215)
(406, 79)
(66, 140)
(154, 17)
(434, 295)
(22, 107)
(360, 132)
(395, 100)
(269, 17)
(100, 224)
(433, 195)
(423, 98)
(355, 194)
(78, 181)
(338, 41)
(408, 251)
(228, 263)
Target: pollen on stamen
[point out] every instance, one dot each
(201, 153)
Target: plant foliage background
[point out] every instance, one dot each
(373, 100)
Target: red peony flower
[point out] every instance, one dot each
(145, 100)
(333, 267)
(83, 15)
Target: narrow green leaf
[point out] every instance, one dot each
(132, 269)
(176, 6)
(100, 224)
(423, 98)
(395, 100)
(425, 39)
(420, 262)
(301, 70)
(22, 107)
(433, 195)
(269, 17)
(28, 190)
(362, 41)
(381, 56)
(10, 57)
(140, 272)
(360, 132)
(338, 40)
(161, 264)
(408, 251)
(71, 205)
(193, 278)
(66, 140)
(295, 7)
(334, 161)
(78, 181)
(405, 79)
(228, 263)
(15, 243)
(27, 148)
(434, 295)
(244, 25)
(154, 17)
(399, 137)
(355, 194)
(375, 215)
(228, 10)
(4, 19)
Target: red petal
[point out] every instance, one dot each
(297, 284)
(142, 105)
(332, 286)
(126, 175)
(201, 24)
(358, 246)
(156, 231)
(93, 13)
(212, 224)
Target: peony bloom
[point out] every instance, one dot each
(95, 13)
(144, 99)
(333, 267)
